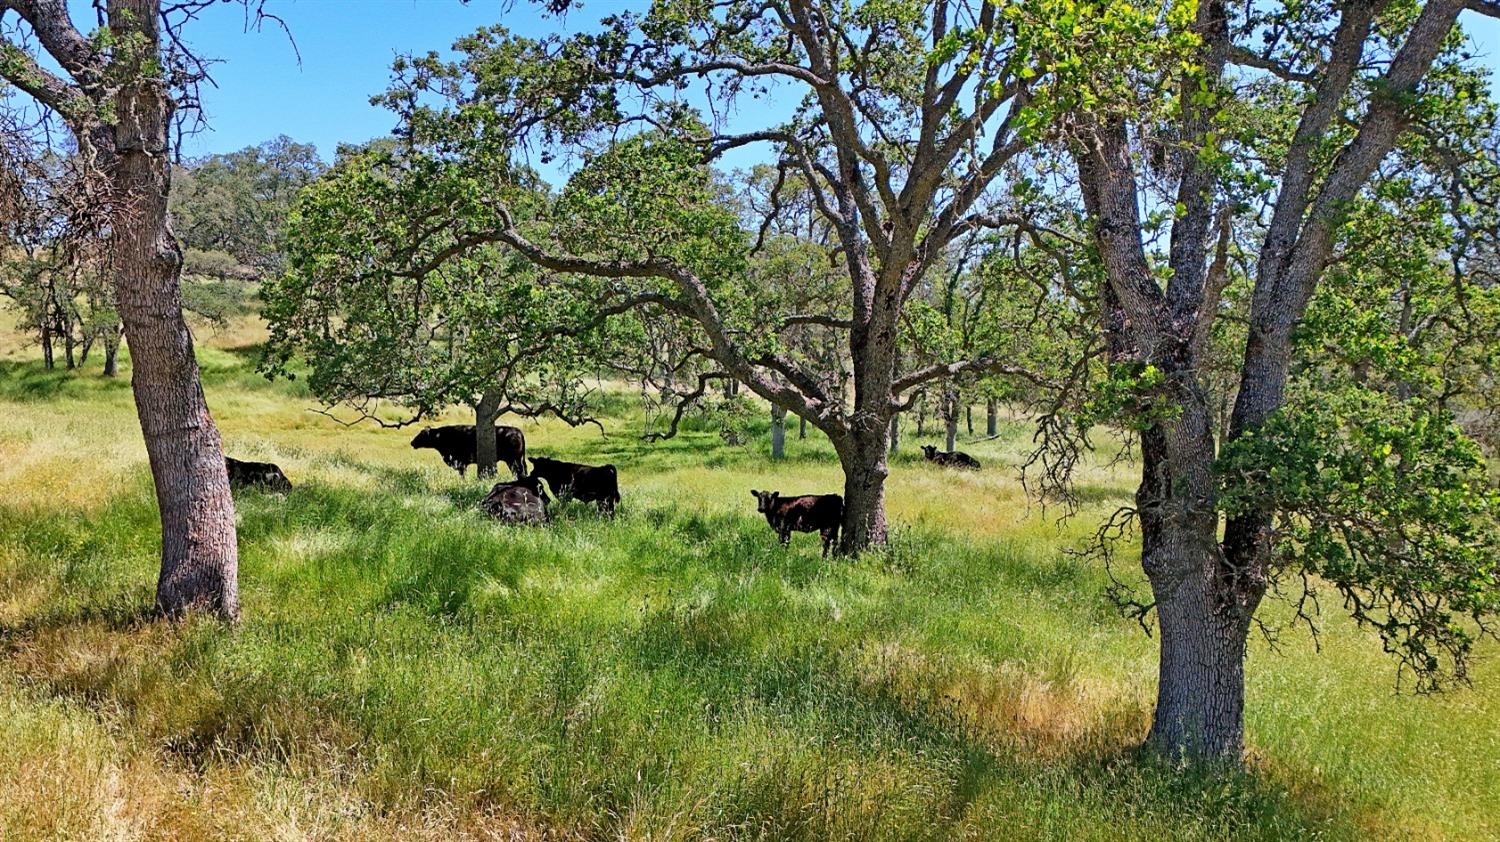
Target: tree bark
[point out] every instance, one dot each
(950, 419)
(486, 449)
(1200, 694)
(111, 352)
(969, 418)
(46, 342)
(200, 560)
(778, 432)
(863, 458)
(991, 418)
(895, 433)
(801, 427)
(69, 344)
(1203, 604)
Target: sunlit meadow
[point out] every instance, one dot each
(407, 669)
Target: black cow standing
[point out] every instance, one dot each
(821, 513)
(950, 459)
(455, 443)
(586, 483)
(265, 475)
(521, 501)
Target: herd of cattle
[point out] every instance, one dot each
(525, 500)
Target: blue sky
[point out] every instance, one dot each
(347, 47)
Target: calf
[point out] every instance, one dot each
(455, 443)
(821, 513)
(599, 485)
(521, 501)
(256, 474)
(950, 459)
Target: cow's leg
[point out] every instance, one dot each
(786, 537)
(828, 538)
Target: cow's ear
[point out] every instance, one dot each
(754, 493)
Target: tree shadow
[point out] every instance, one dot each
(26, 381)
(124, 615)
(805, 683)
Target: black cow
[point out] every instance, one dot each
(521, 501)
(257, 474)
(821, 513)
(455, 443)
(950, 459)
(586, 483)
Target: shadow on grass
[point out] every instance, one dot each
(25, 381)
(125, 615)
(816, 686)
(708, 449)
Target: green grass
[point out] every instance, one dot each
(407, 669)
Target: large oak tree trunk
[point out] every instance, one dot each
(1203, 608)
(991, 418)
(1200, 695)
(486, 450)
(200, 560)
(863, 457)
(863, 446)
(895, 433)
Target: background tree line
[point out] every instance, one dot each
(228, 210)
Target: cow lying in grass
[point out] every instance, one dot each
(455, 443)
(265, 475)
(821, 513)
(521, 501)
(586, 483)
(950, 459)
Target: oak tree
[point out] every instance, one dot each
(382, 303)
(1265, 163)
(117, 89)
(907, 116)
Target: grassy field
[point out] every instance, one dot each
(406, 669)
